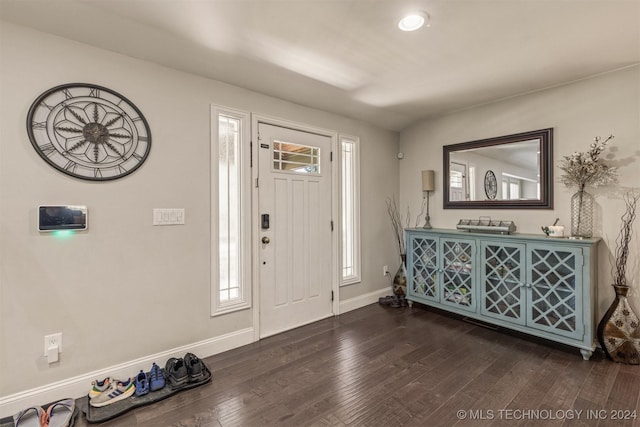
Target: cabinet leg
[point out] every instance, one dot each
(410, 303)
(586, 354)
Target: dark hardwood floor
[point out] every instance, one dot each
(383, 366)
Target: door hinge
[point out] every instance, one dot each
(331, 225)
(331, 295)
(251, 154)
(257, 183)
(331, 156)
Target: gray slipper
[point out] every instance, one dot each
(30, 417)
(60, 413)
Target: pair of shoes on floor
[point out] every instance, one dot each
(149, 381)
(400, 301)
(181, 372)
(394, 301)
(114, 391)
(58, 414)
(386, 300)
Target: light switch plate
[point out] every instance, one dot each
(162, 216)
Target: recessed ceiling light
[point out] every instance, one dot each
(413, 21)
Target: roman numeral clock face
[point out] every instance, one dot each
(88, 132)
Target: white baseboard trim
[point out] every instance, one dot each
(363, 300)
(78, 386)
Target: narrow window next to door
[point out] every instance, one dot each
(350, 194)
(457, 182)
(230, 289)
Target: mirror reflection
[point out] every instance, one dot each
(514, 167)
(512, 171)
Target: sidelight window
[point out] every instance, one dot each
(230, 284)
(350, 195)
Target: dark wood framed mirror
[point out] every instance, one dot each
(505, 172)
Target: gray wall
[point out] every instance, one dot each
(125, 289)
(578, 112)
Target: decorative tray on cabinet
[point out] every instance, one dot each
(486, 225)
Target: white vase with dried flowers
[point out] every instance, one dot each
(619, 329)
(581, 170)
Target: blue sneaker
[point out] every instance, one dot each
(142, 383)
(156, 377)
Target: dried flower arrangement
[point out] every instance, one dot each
(621, 255)
(584, 169)
(399, 224)
(619, 328)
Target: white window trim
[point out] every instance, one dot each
(357, 258)
(244, 273)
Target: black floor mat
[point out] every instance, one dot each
(98, 415)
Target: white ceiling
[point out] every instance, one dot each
(348, 57)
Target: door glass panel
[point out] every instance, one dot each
(424, 268)
(291, 157)
(458, 277)
(503, 284)
(553, 289)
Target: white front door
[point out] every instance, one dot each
(294, 175)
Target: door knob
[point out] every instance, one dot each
(265, 240)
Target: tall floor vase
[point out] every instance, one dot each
(400, 279)
(619, 330)
(581, 214)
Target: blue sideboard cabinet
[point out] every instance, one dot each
(529, 283)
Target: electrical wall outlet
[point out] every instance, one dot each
(52, 340)
(385, 270)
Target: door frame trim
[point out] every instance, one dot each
(256, 119)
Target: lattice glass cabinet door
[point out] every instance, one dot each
(422, 253)
(502, 283)
(555, 281)
(458, 272)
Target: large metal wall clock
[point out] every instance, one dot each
(88, 132)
